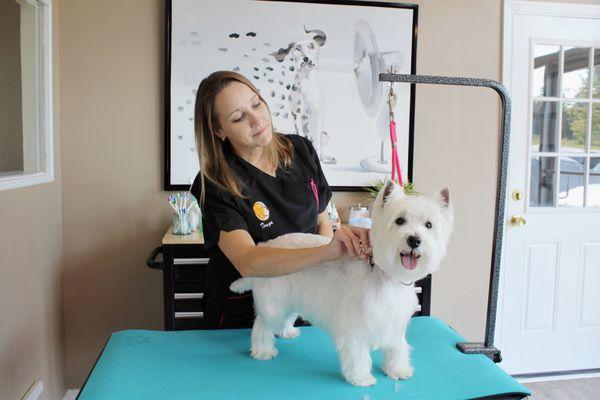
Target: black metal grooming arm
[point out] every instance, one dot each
(487, 347)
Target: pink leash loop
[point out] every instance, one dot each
(396, 169)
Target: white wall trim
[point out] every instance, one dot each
(525, 7)
(71, 394)
(35, 391)
(558, 377)
(22, 180)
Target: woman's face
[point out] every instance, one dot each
(244, 118)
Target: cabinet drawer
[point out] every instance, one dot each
(189, 273)
(183, 324)
(190, 287)
(188, 306)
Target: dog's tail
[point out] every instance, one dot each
(242, 285)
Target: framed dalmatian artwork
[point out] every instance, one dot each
(316, 64)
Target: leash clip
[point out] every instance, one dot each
(392, 98)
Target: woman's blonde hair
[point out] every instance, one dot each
(211, 152)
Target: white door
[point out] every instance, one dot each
(549, 313)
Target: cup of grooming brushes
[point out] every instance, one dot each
(183, 223)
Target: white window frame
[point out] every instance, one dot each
(45, 120)
(558, 153)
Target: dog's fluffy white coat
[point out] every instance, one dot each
(362, 308)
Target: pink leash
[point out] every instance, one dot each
(396, 169)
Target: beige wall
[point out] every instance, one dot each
(113, 206)
(456, 145)
(114, 211)
(31, 331)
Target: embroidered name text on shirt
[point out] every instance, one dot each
(266, 225)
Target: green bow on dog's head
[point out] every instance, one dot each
(374, 189)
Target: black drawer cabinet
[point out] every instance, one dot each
(184, 263)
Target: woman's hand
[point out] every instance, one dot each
(351, 241)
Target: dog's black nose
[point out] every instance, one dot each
(414, 241)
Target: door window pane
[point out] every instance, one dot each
(596, 83)
(576, 73)
(572, 182)
(574, 127)
(544, 126)
(595, 143)
(542, 181)
(593, 192)
(565, 108)
(545, 71)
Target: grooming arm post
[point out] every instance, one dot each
(487, 347)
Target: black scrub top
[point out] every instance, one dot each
(274, 206)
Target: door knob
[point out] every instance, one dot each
(518, 220)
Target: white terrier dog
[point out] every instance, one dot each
(362, 306)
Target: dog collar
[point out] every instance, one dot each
(371, 262)
(372, 266)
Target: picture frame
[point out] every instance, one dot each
(322, 55)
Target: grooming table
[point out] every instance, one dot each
(137, 364)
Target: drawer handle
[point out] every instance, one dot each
(198, 314)
(190, 261)
(151, 261)
(187, 296)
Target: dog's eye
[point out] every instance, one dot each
(428, 225)
(400, 221)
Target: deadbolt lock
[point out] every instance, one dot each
(517, 195)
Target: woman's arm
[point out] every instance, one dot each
(324, 225)
(252, 260)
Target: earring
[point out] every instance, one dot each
(224, 138)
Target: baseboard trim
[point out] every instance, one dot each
(71, 394)
(35, 391)
(558, 375)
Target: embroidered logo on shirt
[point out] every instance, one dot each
(266, 225)
(261, 211)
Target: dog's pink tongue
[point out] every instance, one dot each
(409, 262)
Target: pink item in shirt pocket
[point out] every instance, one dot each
(313, 186)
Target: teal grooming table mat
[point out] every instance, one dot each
(178, 365)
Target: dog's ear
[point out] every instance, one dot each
(443, 197)
(282, 53)
(390, 189)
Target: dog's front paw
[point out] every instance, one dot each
(398, 371)
(264, 354)
(289, 333)
(362, 380)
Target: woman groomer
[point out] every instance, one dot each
(254, 185)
